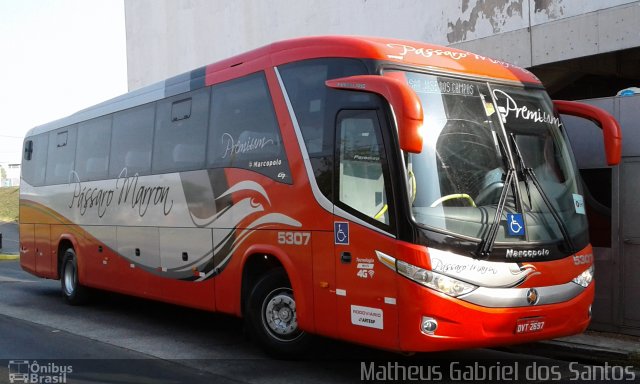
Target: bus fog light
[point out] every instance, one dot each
(429, 325)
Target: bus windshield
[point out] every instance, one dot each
(474, 133)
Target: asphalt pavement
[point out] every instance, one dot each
(62, 355)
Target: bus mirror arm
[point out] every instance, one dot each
(611, 131)
(404, 102)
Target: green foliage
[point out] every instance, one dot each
(9, 198)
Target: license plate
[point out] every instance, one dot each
(529, 325)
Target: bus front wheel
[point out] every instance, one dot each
(272, 318)
(73, 292)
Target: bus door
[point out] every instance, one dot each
(363, 225)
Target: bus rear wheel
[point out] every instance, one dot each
(272, 318)
(73, 292)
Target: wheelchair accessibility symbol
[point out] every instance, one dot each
(515, 224)
(341, 232)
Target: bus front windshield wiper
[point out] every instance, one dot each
(486, 245)
(528, 173)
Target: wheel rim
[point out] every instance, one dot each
(69, 278)
(279, 315)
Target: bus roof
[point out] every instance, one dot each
(401, 52)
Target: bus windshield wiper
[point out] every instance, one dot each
(486, 245)
(528, 173)
(520, 159)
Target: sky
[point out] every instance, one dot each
(56, 57)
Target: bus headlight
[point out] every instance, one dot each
(434, 280)
(585, 278)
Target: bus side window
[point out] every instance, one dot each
(131, 141)
(94, 142)
(181, 132)
(61, 155)
(315, 107)
(361, 183)
(33, 168)
(244, 131)
(28, 149)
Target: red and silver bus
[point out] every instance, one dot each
(390, 193)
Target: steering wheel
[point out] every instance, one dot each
(489, 190)
(452, 197)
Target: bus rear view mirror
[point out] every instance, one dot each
(404, 102)
(611, 131)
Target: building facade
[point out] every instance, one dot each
(579, 49)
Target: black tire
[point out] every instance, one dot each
(73, 292)
(271, 317)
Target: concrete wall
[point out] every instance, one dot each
(563, 29)
(586, 137)
(168, 37)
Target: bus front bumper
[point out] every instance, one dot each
(440, 322)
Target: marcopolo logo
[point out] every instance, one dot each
(24, 371)
(528, 253)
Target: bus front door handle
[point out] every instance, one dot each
(632, 241)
